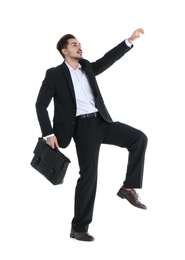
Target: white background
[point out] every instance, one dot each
(143, 89)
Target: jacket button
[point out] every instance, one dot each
(73, 123)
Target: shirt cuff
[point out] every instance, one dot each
(128, 43)
(48, 136)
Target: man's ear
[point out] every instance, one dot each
(64, 51)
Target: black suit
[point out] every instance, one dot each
(88, 133)
(58, 84)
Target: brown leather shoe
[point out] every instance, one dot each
(131, 196)
(82, 236)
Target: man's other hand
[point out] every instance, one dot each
(52, 141)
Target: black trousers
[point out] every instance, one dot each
(89, 134)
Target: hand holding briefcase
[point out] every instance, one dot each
(51, 163)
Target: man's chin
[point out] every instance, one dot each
(78, 58)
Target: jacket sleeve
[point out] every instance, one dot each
(45, 95)
(110, 58)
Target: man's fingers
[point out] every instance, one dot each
(51, 144)
(137, 32)
(56, 144)
(142, 31)
(52, 141)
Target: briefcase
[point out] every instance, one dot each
(51, 163)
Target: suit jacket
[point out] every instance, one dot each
(58, 85)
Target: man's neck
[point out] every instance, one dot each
(73, 63)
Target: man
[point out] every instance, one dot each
(80, 112)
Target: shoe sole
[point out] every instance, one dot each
(73, 236)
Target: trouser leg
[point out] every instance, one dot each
(87, 139)
(135, 141)
(89, 135)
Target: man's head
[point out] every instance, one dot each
(69, 47)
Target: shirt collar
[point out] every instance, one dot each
(71, 69)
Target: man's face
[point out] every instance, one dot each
(73, 50)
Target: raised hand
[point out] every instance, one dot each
(135, 35)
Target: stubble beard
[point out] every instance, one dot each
(78, 58)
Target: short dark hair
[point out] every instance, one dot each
(63, 42)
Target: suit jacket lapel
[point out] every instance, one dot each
(90, 77)
(68, 78)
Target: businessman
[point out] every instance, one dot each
(80, 113)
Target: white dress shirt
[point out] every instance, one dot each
(84, 97)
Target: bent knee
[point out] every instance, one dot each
(144, 138)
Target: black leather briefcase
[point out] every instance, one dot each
(51, 163)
